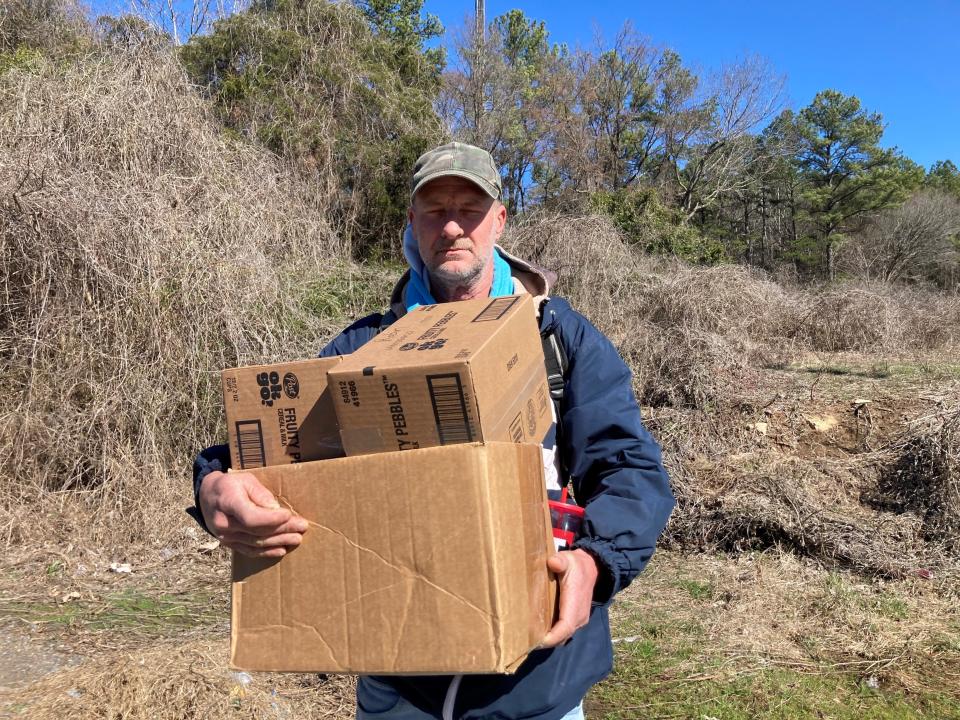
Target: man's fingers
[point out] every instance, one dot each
(274, 552)
(564, 627)
(254, 517)
(219, 523)
(576, 590)
(295, 524)
(222, 524)
(260, 495)
(238, 502)
(232, 539)
(562, 630)
(558, 563)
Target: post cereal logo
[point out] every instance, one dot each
(428, 345)
(291, 386)
(269, 387)
(531, 418)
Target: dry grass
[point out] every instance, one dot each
(825, 478)
(58, 26)
(663, 321)
(704, 344)
(756, 501)
(762, 610)
(141, 253)
(701, 618)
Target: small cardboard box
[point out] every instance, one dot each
(280, 414)
(443, 374)
(415, 562)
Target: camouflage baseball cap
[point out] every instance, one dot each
(459, 159)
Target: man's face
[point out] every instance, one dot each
(456, 225)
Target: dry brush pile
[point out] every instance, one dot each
(922, 475)
(140, 252)
(703, 342)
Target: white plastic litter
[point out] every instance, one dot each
(242, 678)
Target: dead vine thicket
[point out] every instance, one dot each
(140, 253)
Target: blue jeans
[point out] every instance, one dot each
(376, 700)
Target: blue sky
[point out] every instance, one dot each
(902, 59)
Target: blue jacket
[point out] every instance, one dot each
(616, 471)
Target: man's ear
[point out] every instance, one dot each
(410, 214)
(500, 218)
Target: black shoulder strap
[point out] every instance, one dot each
(555, 359)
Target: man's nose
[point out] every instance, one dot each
(452, 229)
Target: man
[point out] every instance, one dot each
(455, 219)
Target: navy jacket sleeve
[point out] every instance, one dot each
(216, 457)
(614, 464)
(352, 338)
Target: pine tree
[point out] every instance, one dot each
(844, 172)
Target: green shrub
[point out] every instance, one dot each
(314, 83)
(646, 221)
(20, 59)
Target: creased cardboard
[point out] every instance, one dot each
(445, 374)
(424, 562)
(281, 413)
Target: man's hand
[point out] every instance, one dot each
(246, 517)
(578, 574)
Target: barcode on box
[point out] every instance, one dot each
(496, 309)
(449, 409)
(250, 444)
(516, 429)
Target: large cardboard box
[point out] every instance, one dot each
(280, 414)
(415, 562)
(444, 374)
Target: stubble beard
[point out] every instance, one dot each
(463, 277)
(452, 280)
